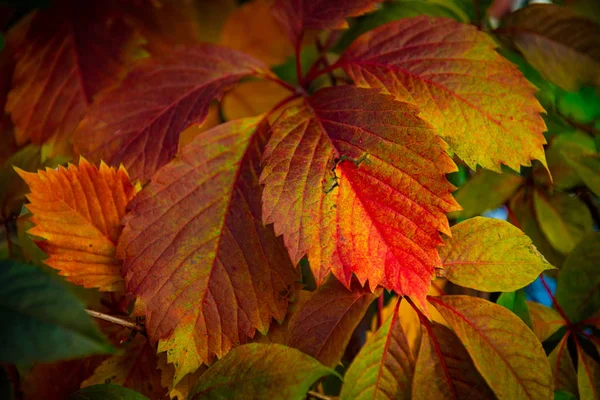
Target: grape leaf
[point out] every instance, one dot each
(578, 286)
(78, 211)
(42, 320)
(197, 254)
(545, 320)
(298, 16)
(254, 371)
(138, 124)
(491, 255)
(383, 369)
(70, 52)
(588, 376)
(479, 102)
(564, 220)
(135, 367)
(106, 392)
(562, 45)
(323, 326)
(444, 369)
(563, 372)
(378, 216)
(489, 332)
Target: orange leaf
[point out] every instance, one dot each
(546, 321)
(479, 102)
(251, 98)
(197, 254)
(138, 124)
(379, 216)
(489, 332)
(70, 52)
(78, 211)
(444, 369)
(323, 326)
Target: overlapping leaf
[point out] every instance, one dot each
(545, 320)
(491, 255)
(564, 376)
(138, 124)
(512, 372)
(323, 326)
(383, 369)
(78, 211)
(378, 216)
(561, 44)
(197, 254)
(588, 376)
(69, 53)
(444, 369)
(478, 101)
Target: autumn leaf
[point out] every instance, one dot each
(197, 255)
(254, 371)
(588, 376)
(445, 368)
(252, 28)
(356, 180)
(298, 16)
(181, 390)
(252, 98)
(323, 326)
(383, 369)
(512, 372)
(78, 211)
(138, 124)
(564, 376)
(546, 321)
(28, 158)
(70, 53)
(135, 367)
(561, 44)
(478, 101)
(578, 286)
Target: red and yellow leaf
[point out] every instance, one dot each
(78, 211)
(479, 102)
(136, 367)
(564, 376)
(298, 16)
(251, 98)
(491, 255)
(138, 124)
(323, 326)
(70, 52)
(378, 216)
(546, 321)
(444, 369)
(588, 376)
(489, 332)
(207, 271)
(383, 369)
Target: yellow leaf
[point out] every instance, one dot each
(212, 119)
(251, 98)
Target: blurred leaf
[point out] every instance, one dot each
(486, 190)
(252, 98)
(563, 372)
(106, 392)
(545, 320)
(213, 118)
(578, 286)
(490, 255)
(588, 168)
(588, 376)
(563, 46)
(582, 106)
(563, 219)
(12, 187)
(260, 371)
(516, 302)
(42, 321)
(287, 70)
(489, 333)
(562, 395)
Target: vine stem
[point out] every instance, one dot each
(117, 321)
(558, 307)
(315, 73)
(280, 82)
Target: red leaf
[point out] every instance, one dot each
(70, 52)
(479, 102)
(197, 254)
(138, 124)
(297, 16)
(383, 221)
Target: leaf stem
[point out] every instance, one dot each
(315, 73)
(317, 395)
(280, 82)
(283, 103)
(117, 321)
(558, 307)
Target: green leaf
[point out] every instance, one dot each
(260, 371)
(42, 321)
(502, 347)
(562, 395)
(383, 369)
(563, 219)
(587, 167)
(106, 392)
(578, 287)
(485, 191)
(517, 303)
(491, 255)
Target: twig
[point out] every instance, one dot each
(317, 395)
(117, 321)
